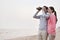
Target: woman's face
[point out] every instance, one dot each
(49, 10)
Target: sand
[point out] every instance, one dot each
(34, 37)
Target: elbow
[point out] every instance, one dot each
(33, 16)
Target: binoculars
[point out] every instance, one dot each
(39, 8)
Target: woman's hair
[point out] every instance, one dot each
(53, 11)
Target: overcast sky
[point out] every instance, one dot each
(18, 14)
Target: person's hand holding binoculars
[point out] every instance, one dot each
(38, 8)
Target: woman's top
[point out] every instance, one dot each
(52, 24)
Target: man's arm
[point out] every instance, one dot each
(35, 16)
(47, 15)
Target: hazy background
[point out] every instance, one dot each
(18, 14)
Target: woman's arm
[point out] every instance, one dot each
(53, 21)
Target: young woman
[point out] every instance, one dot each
(52, 23)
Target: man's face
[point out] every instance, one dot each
(44, 9)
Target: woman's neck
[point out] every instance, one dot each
(51, 13)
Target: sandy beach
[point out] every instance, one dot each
(34, 37)
(17, 22)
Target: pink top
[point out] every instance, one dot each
(52, 24)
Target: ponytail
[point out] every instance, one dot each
(56, 16)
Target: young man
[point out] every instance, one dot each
(43, 22)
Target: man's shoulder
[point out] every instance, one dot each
(47, 13)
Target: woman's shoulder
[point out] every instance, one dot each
(53, 15)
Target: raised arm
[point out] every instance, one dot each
(35, 16)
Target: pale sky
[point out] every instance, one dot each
(18, 14)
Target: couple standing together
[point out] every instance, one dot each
(48, 20)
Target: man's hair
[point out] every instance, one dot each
(46, 7)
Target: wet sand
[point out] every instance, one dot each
(34, 37)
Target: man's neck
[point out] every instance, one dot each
(45, 12)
